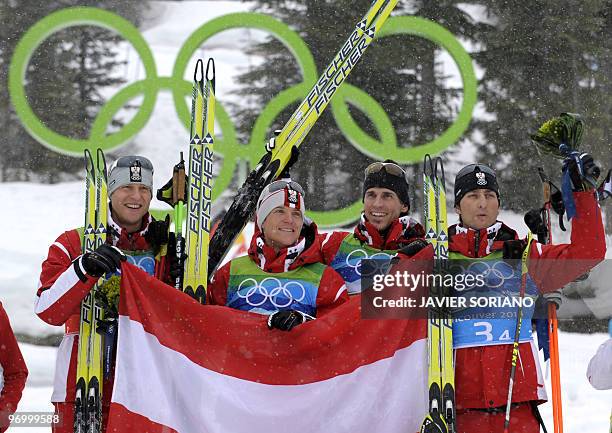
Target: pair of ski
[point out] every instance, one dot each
(191, 251)
(441, 372)
(88, 400)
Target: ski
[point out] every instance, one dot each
(441, 373)
(88, 398)
(296, 129)
(200, 181)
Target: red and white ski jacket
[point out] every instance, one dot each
(61, 291)
(482, 373)
(332, 291)
(13, 371)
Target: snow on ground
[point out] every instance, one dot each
(584, 408)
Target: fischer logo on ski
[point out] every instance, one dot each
(441, 371)
(88, 397)
(191, 252)
(296, 129)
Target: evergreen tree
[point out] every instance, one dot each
(400, 72)
(542, 58)
(64, 83)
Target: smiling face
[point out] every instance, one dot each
(478, 209)
(381, 207)
(129, 204)
(282, 227)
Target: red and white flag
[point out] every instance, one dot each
(183, 367)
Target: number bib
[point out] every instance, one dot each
(490, 314)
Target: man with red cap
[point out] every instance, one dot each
(282, 276)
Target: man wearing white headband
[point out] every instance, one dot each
(282, 276)
(68, 276)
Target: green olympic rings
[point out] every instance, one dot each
(228, 146)
(24, 50)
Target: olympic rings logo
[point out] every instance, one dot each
(496, 275)
(278, 294)
(233, 153)
(146, 263)
(378, 263)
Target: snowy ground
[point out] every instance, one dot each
(584, 409)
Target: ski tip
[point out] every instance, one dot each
(101, 161)
(199, 68)
(428, 167)
(210, 71)
(89, 162)
(439, 165)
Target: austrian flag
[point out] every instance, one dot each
(188, 368)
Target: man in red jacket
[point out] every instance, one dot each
(385, 228)
(483, 351)
(282, 276)
(67, 276)
(13, 371)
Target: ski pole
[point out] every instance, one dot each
(517, 333)
(174, 194)
(555, 369)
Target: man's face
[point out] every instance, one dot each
(129, 204)
(282, 227)
(381, 207)
(478, 209)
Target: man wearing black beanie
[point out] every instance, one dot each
(383, 230)
(481, 206)
(483, 348)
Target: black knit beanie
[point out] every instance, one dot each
(475, 176)
(383, 179)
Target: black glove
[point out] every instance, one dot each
(295, 153)
(106, 258)
(286, 173)
(157, 233)
(513, 249)
(590, 172)
(271, 144)
(286, 320)
(414, 247)
(535, 222)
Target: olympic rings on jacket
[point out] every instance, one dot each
(279, 295)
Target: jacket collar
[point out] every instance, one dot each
(305, 251)
(123, 240)
(479, 243)
(402, 231)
